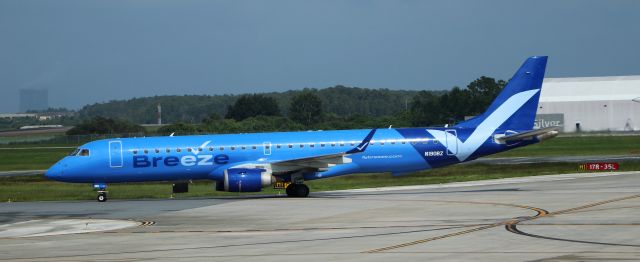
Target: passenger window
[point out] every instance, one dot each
(244, 147)
(341, 143)
(321, 144)
(178, 150)
(84, 152)
(301, 145)
(290, 146)
(382, 143)
(254, 147)
(146, 151)
(200, 149)
(233, 148)
(278, 146)
(157, 150)
(353, 143)
(189, 149)
(210, 148)
(134, 151)
(435, 141)
(333, 144)
(393, 142)
(404, 142)
(221, 148)
(168, 150)
(312, 145)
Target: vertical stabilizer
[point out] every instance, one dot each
(518, 101)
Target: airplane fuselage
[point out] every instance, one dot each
(397, 151)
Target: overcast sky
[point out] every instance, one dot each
(88, 51)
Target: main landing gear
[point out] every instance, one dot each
(297, 190)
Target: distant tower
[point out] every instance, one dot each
(34, 99)
(159, 114)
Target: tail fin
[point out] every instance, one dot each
(515, 107)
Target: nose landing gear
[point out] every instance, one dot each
(102, 192)
(102, 196)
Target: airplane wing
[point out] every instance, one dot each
(317, 162)
(541, 134)
(321, 162)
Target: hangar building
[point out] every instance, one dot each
(588, 104)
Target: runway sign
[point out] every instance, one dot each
(599, 166)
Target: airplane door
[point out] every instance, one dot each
(452, 142)
(115, 153)
(267, 148)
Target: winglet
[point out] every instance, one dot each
(364, 144)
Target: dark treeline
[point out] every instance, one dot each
(453, 106)
(338, 100)
(323, 109)
(101, 125)
(175, 109)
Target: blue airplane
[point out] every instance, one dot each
(249, 162)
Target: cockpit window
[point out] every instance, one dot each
(75, 152)
(84, 152)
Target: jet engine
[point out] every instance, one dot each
(245, 180)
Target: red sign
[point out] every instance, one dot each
(599, 166)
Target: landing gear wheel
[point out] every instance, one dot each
(297, 190)
(302, 190)
(102, 197)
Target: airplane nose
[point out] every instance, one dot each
(55, 172)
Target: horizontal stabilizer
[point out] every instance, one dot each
(541, 134)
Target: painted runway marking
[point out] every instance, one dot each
(510, 225)
(147, 223)
(539, 213)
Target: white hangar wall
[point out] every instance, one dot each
(587, 104)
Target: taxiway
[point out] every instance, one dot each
(545, 218)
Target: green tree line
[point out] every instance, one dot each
(338, 100)
(332, 108)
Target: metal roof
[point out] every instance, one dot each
(591, 89)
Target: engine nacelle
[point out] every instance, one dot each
(246, 180)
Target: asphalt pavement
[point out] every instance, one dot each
(573, 217)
